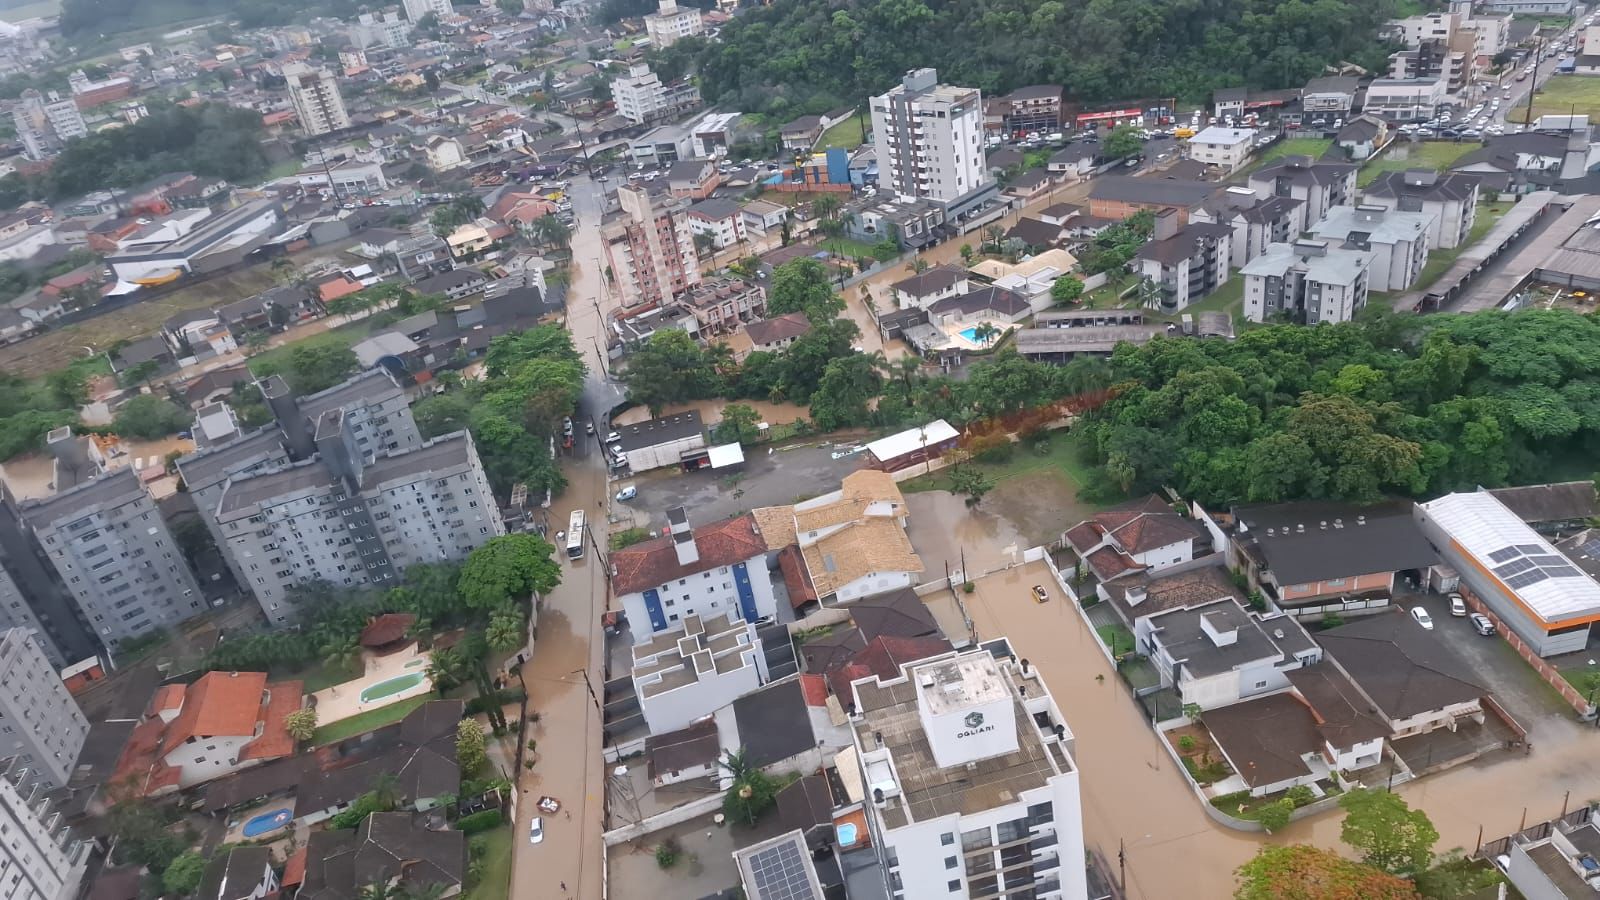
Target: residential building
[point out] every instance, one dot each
(41, 857)
(1255, 222)
(1406, 99)
(973, 786)
(1412, 681)
(1413, 31)
(1397, 240)
(1530, 586)
(455, 284)
(800, 135)
(1117, 197)
(1362, 136)
(45, 122)
(1235, 102)
(912, 223)
(1309, 558)
(642, 98)
(41, 725)
(373, 406)
(1309, 281)
(381, 28)
(721, 305)
(111, 548)
(779, 868)
(651, 254)
(439, 9)
(1143, 535)
(693, 179)
(1451, 62)
(422, 255)
(354, 519)
(686, 674)
(1451, 200)
(1184, 264)
(242, 873)
(1034, 108)
(315, 95)
(887, 622)
(1216, 653)
(1319, 185)
(1225, 148)
(722, 219)
(929, 287)
(762, 216)
(1529, 7)
(33, 596)
(852, 541)
(444, 152)
(1491, 36)
(386, 848)
(206, 472)
(1558, 866)
(769, 335)
(705, 572)
(907, 448)
(672, 440)
(672, 23)
(191, 734)
(930, 142)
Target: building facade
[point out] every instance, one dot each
(40, 857)
(651, 255)
(315, 95)
(45, 122)
(704, 572)
(1308, 280)
(930, 142)
(672, 23)
(643, 98)
(681, 676)
(439, 9)
(113, 551)
(41, 725)
(45, 609)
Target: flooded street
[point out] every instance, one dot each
(711, 411)
(1132, 792)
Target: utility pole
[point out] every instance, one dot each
(1538, 56)
(605, 567)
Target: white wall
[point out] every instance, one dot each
(1361, 755)
(1161, 557)
(872, 584)
(207, 758)
(677, 708)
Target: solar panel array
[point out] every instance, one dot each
(1519, 570)
(780, 873)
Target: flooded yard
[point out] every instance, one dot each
(711, 411)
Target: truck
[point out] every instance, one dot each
(1183, 132)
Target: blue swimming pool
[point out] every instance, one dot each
(847, 834)
(266, 822)
(971, 334)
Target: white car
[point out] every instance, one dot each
(1458, 606)
(536, 830)
(627, 493)
(1422, 617)
(613, 437)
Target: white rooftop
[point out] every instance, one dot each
(1523, 563)
(726, 455)
(1227, 137)
(1380, 225)
(912, 439)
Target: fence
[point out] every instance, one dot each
(1550, 674)
(1539, 832)
(674, 816)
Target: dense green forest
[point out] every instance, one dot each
(810, 55)
(106, 17)
(210, 139)
(1394, 405)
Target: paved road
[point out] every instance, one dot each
(1515, 110)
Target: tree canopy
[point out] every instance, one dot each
(1301, 872)
(812, 55)
(1387, 832)
(309, 367)
(149, 417)
(507, 569)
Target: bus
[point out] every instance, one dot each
(575, 535)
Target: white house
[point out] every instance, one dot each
(684, 675)
(722, 219)
(706, 572)
(1216, 653)
(1225, 148)
(1139, 536)
(852, 541)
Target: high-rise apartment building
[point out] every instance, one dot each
(652, 254)
(111, 548)
(642, 97)
(380, 28)
(45, 122)
(40, 857)
(314, 92)
(673, 23)
(206, 472)
(929, 139)
(44, 609)
(40, 724)
(416, 9)
(973, 790)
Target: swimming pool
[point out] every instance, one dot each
(391, 686)
(847, 833)
(267, 821)
(971, 334)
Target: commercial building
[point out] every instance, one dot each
(1529, 7)
(314, 93)
(1035, 108)
(1451, 199)
(971, 787)
(642, 98)
(112, 550)
(45, 122)
(1406, 99)
(672, 23)
(1310, 281)
(40, 857)
(1330, 97)
(1117, 197)
(1225, 148)
(651, 254)
(1546, 598)
(41, 725)
(705, 572)
(929, 138)
(1397, 240)
(198, 243)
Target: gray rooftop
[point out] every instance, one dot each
(115, 488)
(246, 495)
(1379, 226)
(434, 459)
(1183, 633)
(364, 389)
(1335, 266)
(206, 467)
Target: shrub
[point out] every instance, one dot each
(1274, 816)
(668, 853)
(501, 698)
(480, 821)
(968, 588)
(1300, 795)
(1186, 743)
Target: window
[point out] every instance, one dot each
(947, 839)
(950, 862)
(954, 885)
(1040, 813)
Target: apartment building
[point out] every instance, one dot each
(439, 9)
(720, 218)
(45, 609)
(681, 676)
(354, 519)
(1308, 280)
(1412, 31)
(930, 142)
(1397, 240)
(1406, 99)
(1256, 222)
(651, 254)
(113, 551)
(973, 789)
(643, 98)
(45, 122)
(381, 28)
(705, 572)
(40, 857)
(1034, 108)
(1451, 199)
(1185, 264)
(374, 407)
(41, 725)
(1319, 185)
(206, 472)
(672, 23)
(314, 93)
(1225, 148)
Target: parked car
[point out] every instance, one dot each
(566, 426)
(627, 493)
(1458, 606)
(588, 428)
(613, 437)
(1481, 624)
(536, 830)
(1040, 595)
(1422, 617)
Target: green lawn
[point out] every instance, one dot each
(846, 135)
(1061, 456)
(495, 881)
(1118, 638)
(371, 720)
(1229, 299)
(284, 169)
(1439, 261)
(323, 676)
(846, 247)
(1402, 155)
(1108, 295)
(1312, 147)
(1568, 95)
(347, 335)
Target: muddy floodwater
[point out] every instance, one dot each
(1133, 793)
(711, 411)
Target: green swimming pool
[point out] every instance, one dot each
(391, 686)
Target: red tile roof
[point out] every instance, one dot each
(814, 688)
(283, 698)
(294, 868)
(654, 563)
(168, 697)
(1145, 524)
(220, 704)
(138, 755)
(1083, 536)
(883, 656)
(795, 577)
(386, 629)
(1108, 562)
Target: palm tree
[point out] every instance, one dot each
(386, 790)
(504, 631)
(735, 763)
(551, 231)
(985, 333)
(994, 233)
(917, 265)
(905, 369)
(825, 207)
(342, 654)
(378, 890)
(446, 668)
(1086, 374)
